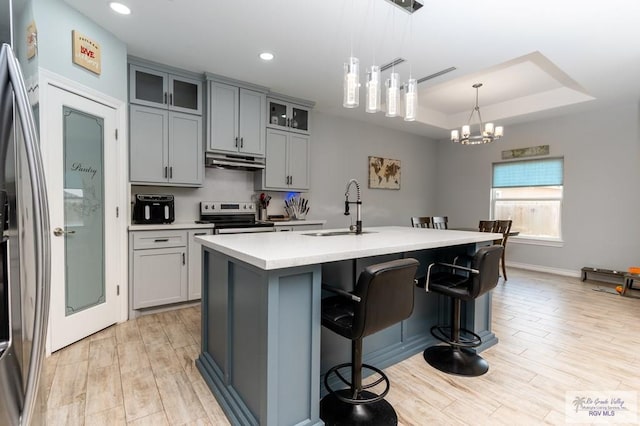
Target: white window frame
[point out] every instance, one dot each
(529, 239)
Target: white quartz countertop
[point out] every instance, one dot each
(275, 250)
(170, 226)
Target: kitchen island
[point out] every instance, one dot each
(263, 347)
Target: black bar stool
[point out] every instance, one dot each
(461, 283)
(383, 296)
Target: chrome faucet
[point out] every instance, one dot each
(358, 203)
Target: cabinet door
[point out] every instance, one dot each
(148, 144)
(159, 277)
(275, 172)
(186, 165)
(277, 116)
(223, 118)
(252, 106)
(299, 119)
(147, 87)
(195, 264)
(185, 95)
(298, 161)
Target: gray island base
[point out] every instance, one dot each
(264, 351)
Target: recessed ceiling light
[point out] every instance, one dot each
(119, 8)
(266, 56)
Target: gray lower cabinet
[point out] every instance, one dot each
(159, 264)
(165, 147)
(165, 267)
(195, 263)
(287, 162)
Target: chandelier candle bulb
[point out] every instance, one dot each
(466, 131)
(488, 128)
(373, 89)
(393, 94)
(351, 96)
(410, 99)
(455, 135)
(499, 132)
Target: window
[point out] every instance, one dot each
(530, 194)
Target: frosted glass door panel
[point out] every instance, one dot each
(83, 210)
(150, 87)
(185, 95)
(300, 119)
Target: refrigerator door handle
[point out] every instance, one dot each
(41, 232)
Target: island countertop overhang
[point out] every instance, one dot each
(276, 250)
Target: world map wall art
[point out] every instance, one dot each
(384, 173)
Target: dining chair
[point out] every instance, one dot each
(421, 221)
(486, 225)
(439, 222)
(503, 227)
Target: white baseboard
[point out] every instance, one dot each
(547, 269)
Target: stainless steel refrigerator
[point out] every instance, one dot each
(24, 240)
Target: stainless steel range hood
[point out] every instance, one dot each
(237, 162)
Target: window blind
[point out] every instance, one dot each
(545, 172)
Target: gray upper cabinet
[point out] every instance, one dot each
(287, 116)
(160, 89)
(287, 162)
(236, 120)
(165, 148)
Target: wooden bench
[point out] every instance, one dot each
(601, 273)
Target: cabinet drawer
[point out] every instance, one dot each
(159, 239)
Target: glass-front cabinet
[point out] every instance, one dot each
(287, 116)
(159, 89)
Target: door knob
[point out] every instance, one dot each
(58, 232)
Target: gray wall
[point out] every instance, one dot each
(55, 20)
(601, 151)
(339, 151)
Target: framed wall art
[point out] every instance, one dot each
(384, 173)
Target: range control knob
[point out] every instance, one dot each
(206, 206)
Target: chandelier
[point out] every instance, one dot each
(487, 133)
(374, 83)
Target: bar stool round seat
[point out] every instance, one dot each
(383, 296)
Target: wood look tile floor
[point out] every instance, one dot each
(555, 333)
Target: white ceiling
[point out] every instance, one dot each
(535, 59)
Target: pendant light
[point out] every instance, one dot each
(410, 99)
(351, 83)
(393, 94)
(374, 89)
(411, 86)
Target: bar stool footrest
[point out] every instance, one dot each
(467, 339)
(360, 399)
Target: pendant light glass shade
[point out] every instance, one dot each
(393, 94)
(374, 89)
(351, 95)
(410, 100)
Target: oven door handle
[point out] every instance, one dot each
(244, 230)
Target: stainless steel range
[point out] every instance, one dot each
(232, 217)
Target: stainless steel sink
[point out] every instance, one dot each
(335, 233)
